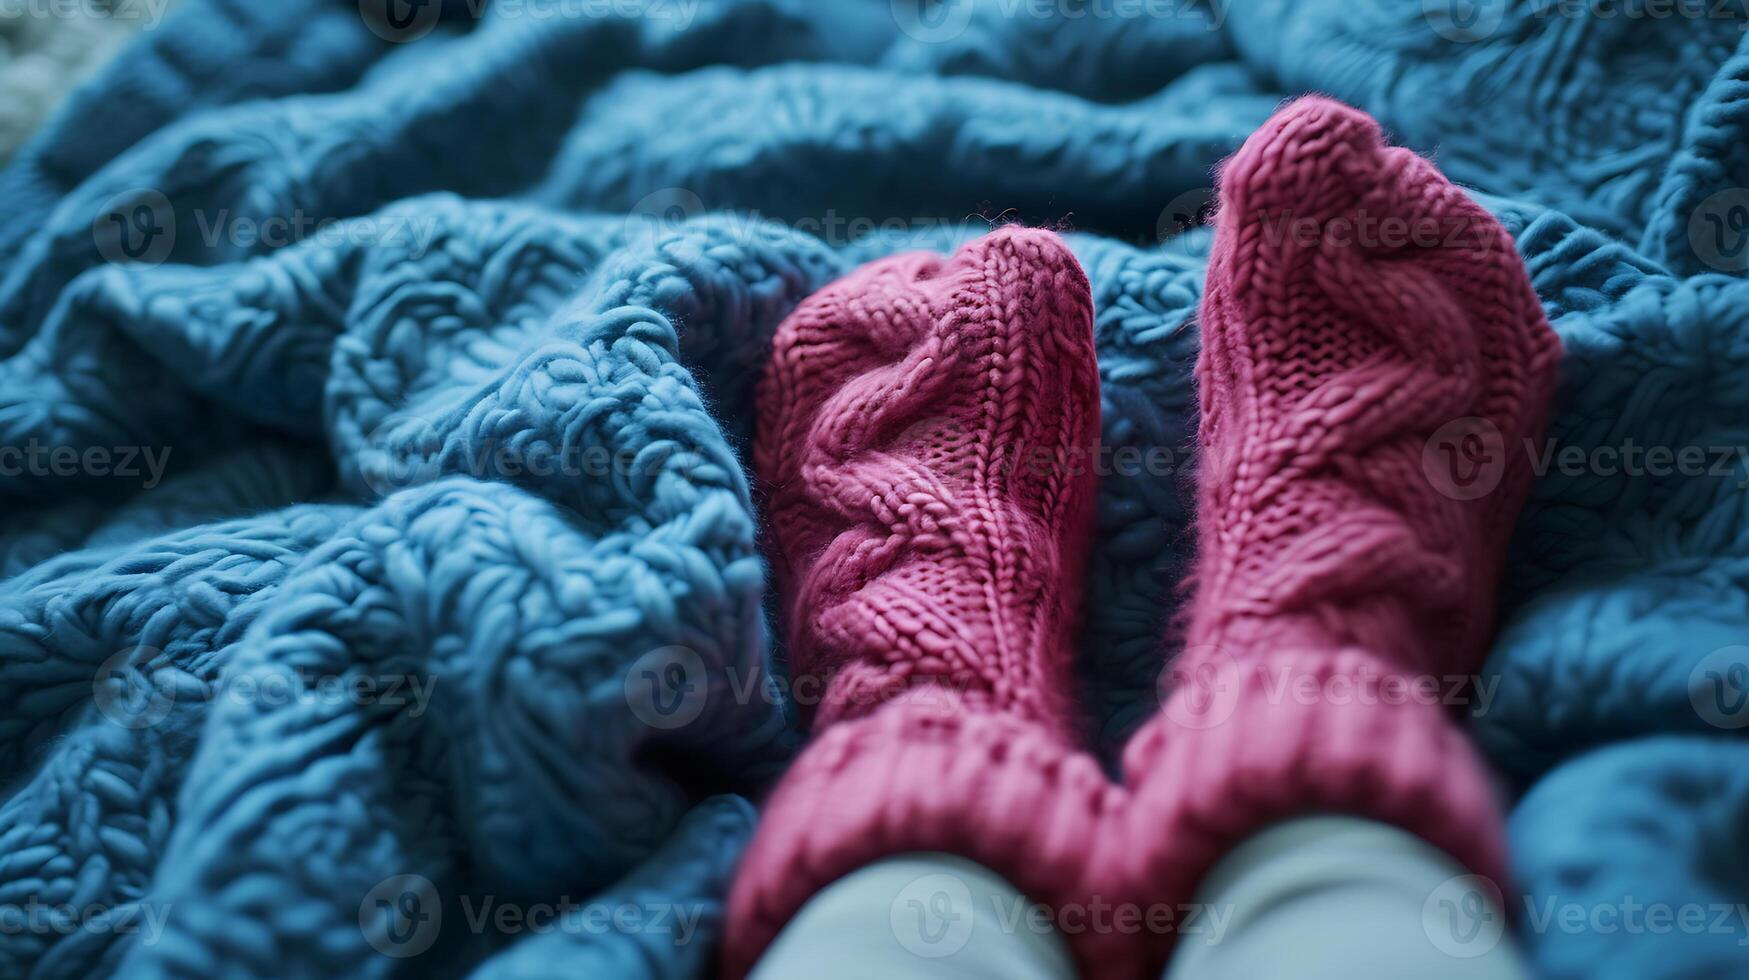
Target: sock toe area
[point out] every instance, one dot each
(1316, 156)
(912, 347)
(1358, 300)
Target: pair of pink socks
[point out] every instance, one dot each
(1371, 350)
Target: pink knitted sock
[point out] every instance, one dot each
(1373, 362)
(922, 425)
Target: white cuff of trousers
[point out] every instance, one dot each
(1341, 898)
(923, 916)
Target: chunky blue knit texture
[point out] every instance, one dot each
(432, 576)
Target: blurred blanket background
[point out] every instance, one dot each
(48, 48)
(374, 379)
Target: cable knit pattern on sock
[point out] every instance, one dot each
(919, 427)
(1332, 555)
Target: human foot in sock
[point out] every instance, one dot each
(1365, 327)
(923, 434)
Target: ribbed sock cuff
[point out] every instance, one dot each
(921, 774)
(1245, 744)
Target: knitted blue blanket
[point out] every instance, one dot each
(376, 556)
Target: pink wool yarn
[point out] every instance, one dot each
(1373, 361)
(919, 428)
